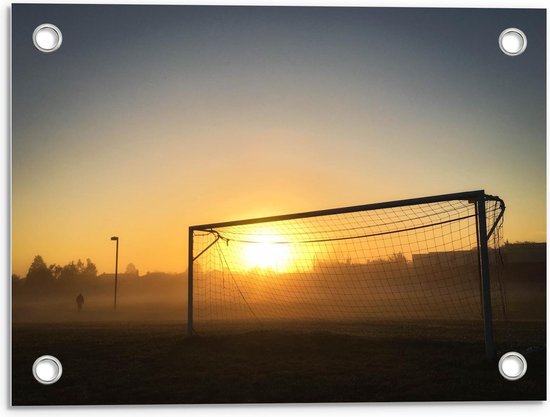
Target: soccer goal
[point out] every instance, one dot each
(422, 259)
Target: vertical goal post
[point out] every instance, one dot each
(365, 234)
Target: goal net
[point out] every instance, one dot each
(410, 260)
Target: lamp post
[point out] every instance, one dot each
(116, 265)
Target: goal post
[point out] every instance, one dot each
(407, 260)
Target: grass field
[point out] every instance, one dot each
(154, 363)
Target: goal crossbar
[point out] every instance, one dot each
(466, 195)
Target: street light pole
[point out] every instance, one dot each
(116, 266)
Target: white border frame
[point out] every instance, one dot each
(502, 409)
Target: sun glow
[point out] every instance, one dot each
(266, 253)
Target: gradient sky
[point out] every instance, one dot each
(149, 119)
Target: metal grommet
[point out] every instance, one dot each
(47, 37)
(512, 366)
(47, 369)
(512, 41)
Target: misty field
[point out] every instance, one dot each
(129, 363)
(140, 354)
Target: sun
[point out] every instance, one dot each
(267, 252)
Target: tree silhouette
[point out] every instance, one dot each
(131, 269)
(90, 269)
(398, 258)
(15, 281)
(39, 275)
(75, 272)
(69, 273)
(56, 270)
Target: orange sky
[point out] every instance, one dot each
(263, 116)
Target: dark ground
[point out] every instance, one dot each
(154, 363)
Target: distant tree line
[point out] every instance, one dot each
(40, 276)
(47, 280)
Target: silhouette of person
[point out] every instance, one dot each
(79, 301)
